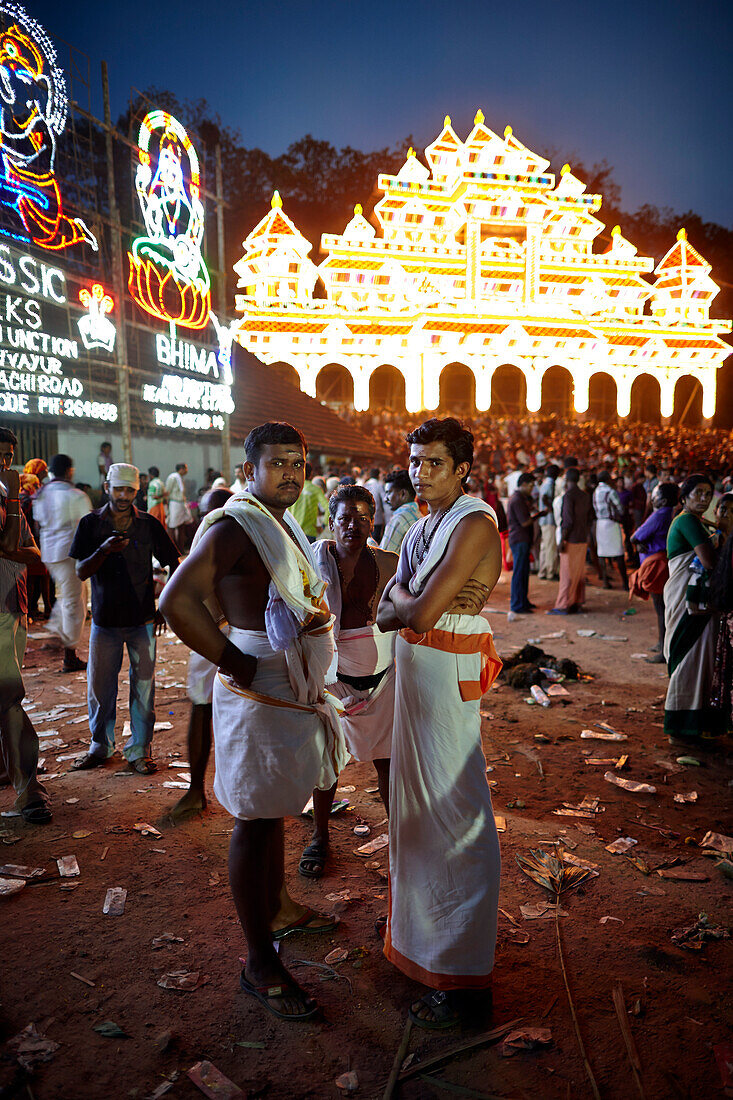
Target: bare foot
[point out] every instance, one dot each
(192, 803)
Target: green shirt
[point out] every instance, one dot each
(310, 509)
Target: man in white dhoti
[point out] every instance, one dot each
(179, 512)
(276, 734)
(356, 574)
(444, 850)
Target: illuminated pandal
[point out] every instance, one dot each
(482, 258)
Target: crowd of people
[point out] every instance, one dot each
(338, 612)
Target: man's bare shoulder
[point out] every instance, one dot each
(386, 559)
(224, 535)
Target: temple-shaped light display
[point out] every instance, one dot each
(483, 258)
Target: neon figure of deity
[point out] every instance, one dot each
(168, 276)
(33, 108)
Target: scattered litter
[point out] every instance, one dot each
(652, 891)
(114, 901)
(81, 978)
(622, 844)
(362, 830)
(585, 633)
(339, 804)
(345, 790)
(588, 808)
(68, 867)
(539, 696)
(723, 1053)
(71, 756)
(212, 1082)
(176, 784)
(347, 1082)
(10, 886)
(690, 796)
(548, 871)
(54, 743)
(547, 637)
(338, 955)
(556, 690)
(681, 874)
(612, 638)
(552, 674)
(629, 784)
(594, 735)
(540, 911)
(605, 920)
(31, 1046)
(19, 870)
(165, 938)
(528, 1038)
(160, 726)
(184, 980)
(144, 829)
(718, 842)
(110, 1030)
(691, 761)
(81, 834)
(104, 853)
(638, 656)
(500, 823)
(373, 846)
(586, 864)
(693, 936)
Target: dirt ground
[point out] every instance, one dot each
(680, 1003)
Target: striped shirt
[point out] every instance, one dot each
(398, 526)
(13, 588)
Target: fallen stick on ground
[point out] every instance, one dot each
(576, 1025)
(460, 1090)
(483, 1040)
(619, 1003)
(399, 1059)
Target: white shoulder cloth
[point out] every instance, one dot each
(464, 506)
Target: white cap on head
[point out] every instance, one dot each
(122, 474)
(219, 483)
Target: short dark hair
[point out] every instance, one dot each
(552, 471)
(272, 432)
(401, 480)
(107, 444)
(525, 478)
(308, 471)
(180, 465)
(604, 476)
(350, 494)
(6, 436)
(692, 482)
(668, 491)
(572, 475)
(60, 465)
(570, 462)
(374, 472)
(456, 439)
(153, 471)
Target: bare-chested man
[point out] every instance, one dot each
(276, 736)
(356, 574)
(444, 851)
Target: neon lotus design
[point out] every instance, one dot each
(33, 111)
(97, 331)
(168, 277)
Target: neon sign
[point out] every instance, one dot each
(97, 331)
(33, 111)
(168, 276)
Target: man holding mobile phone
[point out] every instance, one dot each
(115, 546)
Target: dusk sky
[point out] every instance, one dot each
(647, 85)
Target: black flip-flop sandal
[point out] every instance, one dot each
(264, 993)
(380, 927)
(316, 853)
(444, 1014)
(302, 925)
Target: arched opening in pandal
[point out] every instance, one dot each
(335, 386)
(557, 391)
(687, 401)
(508, 391)
(457, 389)
(286, 372)
(602, 397)
(387, 388)
(645, 400)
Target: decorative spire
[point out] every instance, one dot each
(479, 117)
(411, 152)
(358, 209)
(446, 122)
(508, 132)
(616, 231)
(682, 235)
(565, 169)
(276, 202)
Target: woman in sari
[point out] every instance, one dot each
(157, 495)
(690, 628)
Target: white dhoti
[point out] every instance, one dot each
(444, 850)
(368, 710)
(609, 539)
(200, 679)
(278, 739)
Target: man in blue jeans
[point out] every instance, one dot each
(115, 546)
(520, 519)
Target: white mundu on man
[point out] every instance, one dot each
(444, 849)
